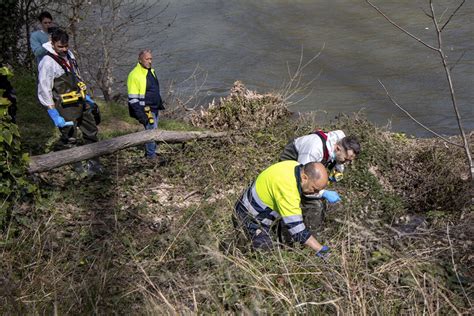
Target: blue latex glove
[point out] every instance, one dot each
(324, 252)
(331, 196)
(58, 119)
(90, 101)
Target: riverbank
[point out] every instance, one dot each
(143, 238)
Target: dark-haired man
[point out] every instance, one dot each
(332, 149)
(276, 195)
(63, 93)
(41, 36)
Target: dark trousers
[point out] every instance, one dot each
(289, 152)
(84, 120)
(259, 235)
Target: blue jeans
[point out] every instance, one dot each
(150, 148)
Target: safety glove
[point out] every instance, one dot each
(139, 113)
(142, 118)
(94, 109)
(331, 196)
(58, 119)
(324, 252)
(90, 102)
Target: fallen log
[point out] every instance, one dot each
(57, 159)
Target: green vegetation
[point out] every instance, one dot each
(145, 239)
(15, 185)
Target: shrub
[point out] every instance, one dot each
(242, 110)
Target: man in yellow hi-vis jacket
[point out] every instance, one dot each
(276, 194)
(144, 99)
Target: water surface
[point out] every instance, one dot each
(256, 42)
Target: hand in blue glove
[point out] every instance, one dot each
(331, 196)
(90, 101)
(324, 252)
(58, 119)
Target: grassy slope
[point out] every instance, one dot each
(148, 239)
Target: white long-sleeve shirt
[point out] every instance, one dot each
(310, 148)
(48, 70)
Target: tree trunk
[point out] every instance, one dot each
(60, 158)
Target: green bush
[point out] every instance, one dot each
(14, 184)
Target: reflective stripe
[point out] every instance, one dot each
(267, 222)
(247, 205)
(275, 214)
(298, 228)
(136, 96)
(292, 219)
(257, 199)
(142, 103)
(133, 100)
(136, 82)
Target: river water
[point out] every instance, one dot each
(257, 41)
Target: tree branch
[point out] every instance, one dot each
(452, 15)
(399, 27)
(451, 91)
(415, 120)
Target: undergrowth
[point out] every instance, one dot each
(150, 239)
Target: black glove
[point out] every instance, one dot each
(139, 113)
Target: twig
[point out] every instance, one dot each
(454, 266)
(452, 15)
(287, 272)
(415, 120)
(177, 235)
(448, 77)
(419, 40)
(321, 303)
(442, 56)
(189, 195)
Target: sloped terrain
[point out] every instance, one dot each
(148, 239)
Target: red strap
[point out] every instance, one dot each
(324, 138)
(62, 62)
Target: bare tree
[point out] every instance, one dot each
(17, 19)
(106, 33)
(439, 49)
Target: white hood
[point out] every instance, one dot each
(49, 47)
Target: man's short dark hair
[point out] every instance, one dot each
(351, 143)
(310, 170)
(45, 15)
(52, 29)
(60, 35)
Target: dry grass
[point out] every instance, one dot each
(144, 239)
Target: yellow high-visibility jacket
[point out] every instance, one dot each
(136, 85)
(276, 193)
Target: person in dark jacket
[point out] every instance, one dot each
(144, 99)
